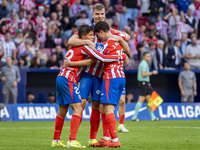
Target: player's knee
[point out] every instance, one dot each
(84, 101)
(101, 109)
(122, 102)
(95, 104)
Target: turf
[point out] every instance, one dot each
(144, 135)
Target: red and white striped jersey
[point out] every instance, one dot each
(80, 53)
(113, 69)
(182, 27)
(28, 4)
(161, 26)
(96, 69)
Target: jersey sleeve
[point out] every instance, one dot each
(180, 76)
(118, 34)
(99, 56)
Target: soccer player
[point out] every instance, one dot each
(144, 85)
(91, 79)
(68, 92)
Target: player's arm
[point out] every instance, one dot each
(145, 74)
(123, 43)
(75, 41)
(102, 57)
(81, 63)
(127, 37)
(127, 60)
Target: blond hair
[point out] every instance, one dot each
(98, 6)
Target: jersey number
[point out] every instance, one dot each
(69, 54)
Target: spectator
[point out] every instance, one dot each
(4, 9)
(13, 6)
(67, 34)
(182, 5)
(153, 64)
(123, 16)
(89, 9)
(156, 8)
(51, 98)
(129, 97)
(12, 24)
(35, 47)
(181, 26)
(10, 49)
(82, 20)
(53, 62)
(190, 20)
(52, 33)
(37, 62)
(10, 78)
(140, 34)
(75, 9)
(187, 84)
(22, 63)
(160, 55)
(46, 13)
(43, 55)
(2, 52)
(30, 98)
(31, 32)
(152, 27)
(21, 17)
(27, 50)
(172, 24)
(193, 54)
(161, 27)
(144, 7)
(2, 31)
(109, 9)
(141, 50)
(174, 55)
(60, 13)
(132, 8)
(27, 21)
(59, 53)
(184, 43)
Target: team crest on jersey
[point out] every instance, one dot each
(101, 47)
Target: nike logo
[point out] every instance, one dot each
(131, 113)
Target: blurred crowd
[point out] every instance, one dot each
(34, 33)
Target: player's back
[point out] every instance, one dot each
(73, 54)
(113, 69)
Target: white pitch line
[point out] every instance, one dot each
(176, 127)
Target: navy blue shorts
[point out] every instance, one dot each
(89, 83)
(67, 92)
(111, 90)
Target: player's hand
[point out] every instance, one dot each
(91, 44)
(15, 83)
(155, 72)
(67, 63)
(195, 93)
(182, 93)
(3, 78)
(122, 57)
(115, 38)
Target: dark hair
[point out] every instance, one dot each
(151, 43)
(145, 53)
(84, 30)
(102, 25)
(7, 32)
(140, 45)
(176, 41)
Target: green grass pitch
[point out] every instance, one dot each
(144, 135)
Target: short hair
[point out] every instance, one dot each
(145, 53)
(140, 45)
(175, 41)
(102, 25)
(151, 43)
(98, 6)
(84, 30)
(160, 42)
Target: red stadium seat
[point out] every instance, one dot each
(143, 21)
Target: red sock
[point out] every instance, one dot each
(105, 126)
(58, 127)
(94, 123)
(74, 127)
(121, 119)
(111, 121)
(81, 117)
